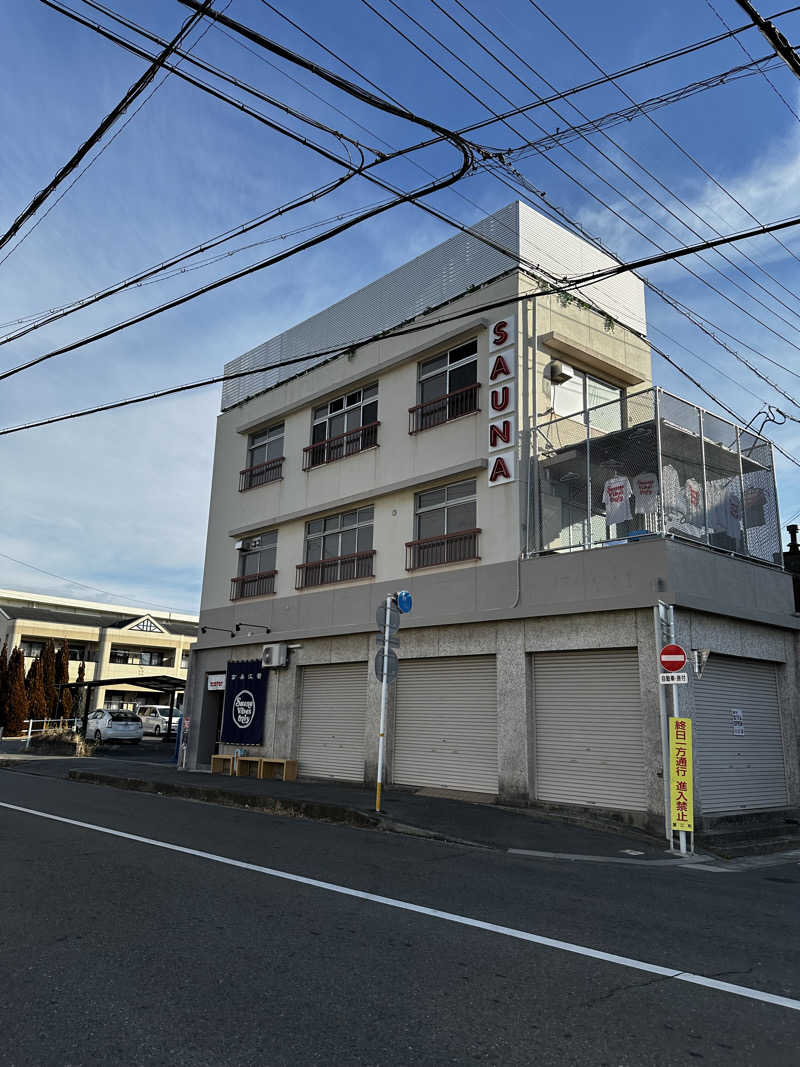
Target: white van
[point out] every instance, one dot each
(155, 718)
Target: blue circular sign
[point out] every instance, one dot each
(404, 601)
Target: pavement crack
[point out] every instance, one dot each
(626, 988)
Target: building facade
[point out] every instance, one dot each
(504, 456)
(114, 641)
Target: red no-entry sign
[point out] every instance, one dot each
(672, 658)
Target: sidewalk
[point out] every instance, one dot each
(460, 820)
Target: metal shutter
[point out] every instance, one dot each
(332, 721)
(738, 773)
(589, 747)
(446, 723)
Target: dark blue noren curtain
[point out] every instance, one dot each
(245, 703)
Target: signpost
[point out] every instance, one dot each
(388, 620)
(672, 659)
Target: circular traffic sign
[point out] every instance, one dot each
(404, 601)
(672, 658)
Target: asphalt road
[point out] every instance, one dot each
(122, 952)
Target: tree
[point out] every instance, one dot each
(17, 711)
(62, 678)
(34, 684)
(48, 658)
(4, 683)
(81, 701)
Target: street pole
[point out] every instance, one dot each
(384, 697)
(670, 635)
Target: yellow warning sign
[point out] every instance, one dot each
(681, 798)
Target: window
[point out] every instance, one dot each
(142, 657)
(445, 526)
(447, 387)
(583, 391)
(256, 566)
(264, 458)
(338, 548)
(185, 659)
(32, 649)
(343, 426)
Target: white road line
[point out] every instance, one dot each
(433, 913)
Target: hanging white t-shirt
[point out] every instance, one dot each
(616, 497)
(645, 491)
(674, 500)
(733, 514)
(694, 502)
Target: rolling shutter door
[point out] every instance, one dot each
(738, 773)
(589, 747)
(446, 723)
(332, 721)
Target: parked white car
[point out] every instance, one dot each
(155, 718)
(114, 726)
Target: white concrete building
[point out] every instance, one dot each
(113, 640)
(503, 455)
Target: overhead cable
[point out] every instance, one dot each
(132, 93)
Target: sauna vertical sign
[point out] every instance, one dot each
(502, 400)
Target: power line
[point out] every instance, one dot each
(167, 264)
(133, 92)
(775, 38)
(101, 151)
(670, 138)
(626, 174)
(664, 296)
(93, 588)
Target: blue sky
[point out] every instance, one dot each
(119, 501)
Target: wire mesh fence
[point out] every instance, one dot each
(650, 465)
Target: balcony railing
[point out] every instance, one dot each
(261, 474)
(341, 569)
(437, 551)
(253, 585)
(343, 444)
(444, 408)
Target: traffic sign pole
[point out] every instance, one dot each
(672, 658)
(384, 695)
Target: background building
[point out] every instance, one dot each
(113, 640)
(516, 471)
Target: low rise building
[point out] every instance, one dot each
(114, 641)
(503, 455)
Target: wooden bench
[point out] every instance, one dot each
(286, 767)
(222, 764)
(248, 767)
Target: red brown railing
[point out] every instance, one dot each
(436, 551)
(343, 444)
(444, 408)
(341, 569)
(253, 585)
(261, 474)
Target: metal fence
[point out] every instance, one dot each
(651, 465)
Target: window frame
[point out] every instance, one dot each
(445, 505)
(264, 438)
(338, 407)
(454, 402)
(585, 377)
(260, 550)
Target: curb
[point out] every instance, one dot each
(278, 805)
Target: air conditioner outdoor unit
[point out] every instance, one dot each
(559, 372)
(275, 655)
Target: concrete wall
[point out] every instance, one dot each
(515, 643)
(389, 475)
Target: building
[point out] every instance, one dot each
(506, 458)
(114, 641)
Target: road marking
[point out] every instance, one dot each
(433, 913)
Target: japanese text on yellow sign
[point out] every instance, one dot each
(680, 774)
